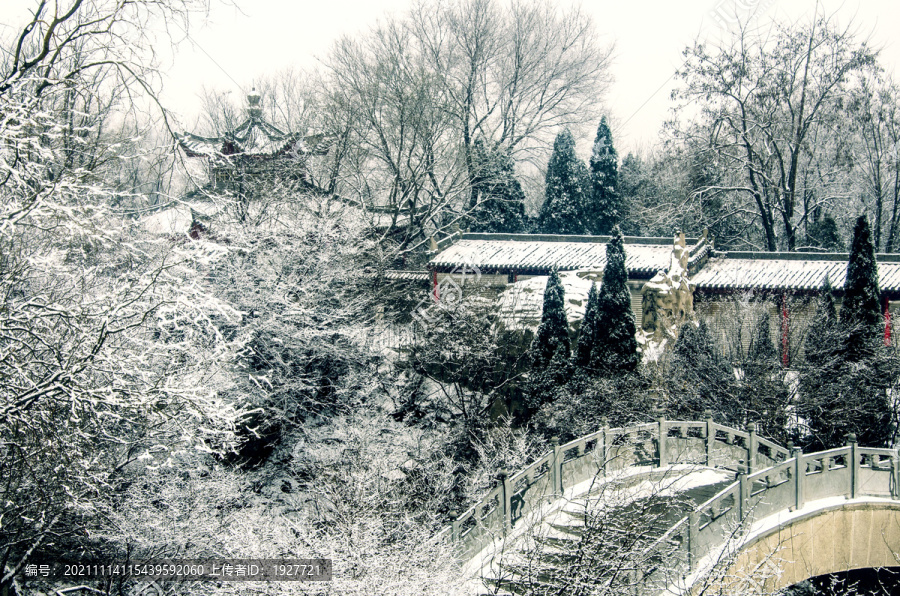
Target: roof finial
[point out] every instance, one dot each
(253, 100)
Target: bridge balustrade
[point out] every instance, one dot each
(770, 480)
(597, 455)
(850, 471)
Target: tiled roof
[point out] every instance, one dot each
(793, 272)
(539, 253)
(521, 304)
(400, 275)
(255, 138)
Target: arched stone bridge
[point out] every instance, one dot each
(778, 517)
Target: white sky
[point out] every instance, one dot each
(234, 46)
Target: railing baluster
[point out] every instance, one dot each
(854, 465)
(556, 467)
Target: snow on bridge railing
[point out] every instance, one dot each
(850, 471)
(607, 450)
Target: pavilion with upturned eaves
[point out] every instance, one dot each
(253, 151)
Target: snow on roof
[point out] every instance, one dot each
(790, 271)
(521, 304)
(540, 253)
(401, 275)
(177, 219)
(254, 138)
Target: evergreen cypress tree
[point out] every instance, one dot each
(823, 339)
(766, 397)
(821, 396)
(550, 349)
(861, 308)
(615, 350)
(498, 201)
(698, 375)
(566, 190)
(553, 332)
(824, 233)
(848, 372)
(587, 335)
(762, 350)
(605, 209)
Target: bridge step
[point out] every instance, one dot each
(592, 523)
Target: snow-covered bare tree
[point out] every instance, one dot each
(770, 101)
(110, 348)
(418, 91)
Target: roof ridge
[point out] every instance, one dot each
(802, 256)
(667, 241)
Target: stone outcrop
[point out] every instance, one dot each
(668, 299)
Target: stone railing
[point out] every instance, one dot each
(605, 451)
(850, 471)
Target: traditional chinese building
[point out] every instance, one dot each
(254, 151)
(669, 281)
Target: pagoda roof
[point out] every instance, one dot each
(254, 137)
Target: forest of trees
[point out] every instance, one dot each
(224, 394)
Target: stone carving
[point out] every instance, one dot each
(667, 299)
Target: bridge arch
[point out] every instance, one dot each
(832, 538)
(772, 485)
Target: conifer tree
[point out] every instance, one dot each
(697, 375)
(848, 372)
(553, 332)
(587, 335)
(550, 349)
(566, 190)
(762, 350)
(615, 351)
(766, 397)
(860, 310)
(498, 201)
(820, 384)
(605, 208)
(823, 339)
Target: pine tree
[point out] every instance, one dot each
(566, 190)
(819, 404)
(861, 310)
(605, 209)
(823, 339)
(588, 334)
(553, 332)
(766, 397)
(697, 376)
(824, 234)
(498, 201)
(848, 372)
(615, 351)
(550, 349)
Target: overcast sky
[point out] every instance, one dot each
(233, 46)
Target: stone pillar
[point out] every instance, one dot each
(454, 533)
(710, 437)
(895, 481)
(663, 459)
(556, 466)
(854, 465)
(799, 477)
(743, 496)
(694, 539)
(503, 477)
(604, 447)
(752, 447)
